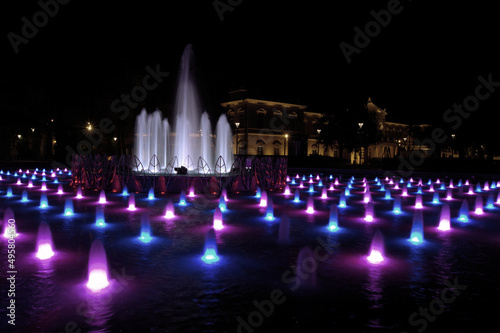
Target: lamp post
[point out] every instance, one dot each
(359, 131)
(406, 150)
(284, 149)
(237, 144)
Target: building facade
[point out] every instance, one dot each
(271, 128)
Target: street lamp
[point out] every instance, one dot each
(286, 137)
(359, 132)
(237, 144)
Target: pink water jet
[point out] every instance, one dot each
(444, 219)
(79, 193)
(98, 277)
(479, 205)
(377, 249)
(217, 222)
(369, 212)
(287, 190)
(323, 193)
(418, 201)
(131, 202)
(170, 211)
(44, 242)
(310, 205)
(263, 199)
(9, 224)
(102, 197)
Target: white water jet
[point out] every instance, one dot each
(192, 133)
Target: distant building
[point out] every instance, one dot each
(262, 127)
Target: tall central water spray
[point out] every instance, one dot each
(192, 136)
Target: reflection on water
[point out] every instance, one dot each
(97, 308)
(418, 277)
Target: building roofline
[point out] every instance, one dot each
(269, 103)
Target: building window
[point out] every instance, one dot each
(276, 150)
(315, 152)
(260, 150)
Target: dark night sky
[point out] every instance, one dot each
(426, 59)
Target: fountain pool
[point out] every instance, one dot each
(243, 277)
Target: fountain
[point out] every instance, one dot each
(145, 236)
(435, 198)
(418, 201)
(60, 189)
(182, 198)
(396, 205)
(217, 223)
(404, 191)
(287, 190)
(99, 216)
(444, 219)
(258, 193)
(324, 195)
(417, 229)
(9, 192)
(296, 197)
(191, 191)
(169, 210)
(44, 202)
(44, 242)
(24, 196)
(342, 200)
(479, 205)
(102, 197)
(79, 193)
(125, 190)
(9, 228)
(367, 196)
(222, 203)
(270, 210)
(191, 137)
(98, 277)
(131, 202)
(377, 250)
(310, 205)
(490, 203)
(463, 214)
(369, 212)
(68, 207)
(210, 252)
(333, 221)
(151, 194)
(263, 199)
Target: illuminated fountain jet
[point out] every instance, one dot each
(98, 277)
(377, 249)
(44, 248)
